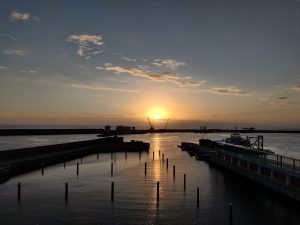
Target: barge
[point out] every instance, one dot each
(18, 161)
(276, 172)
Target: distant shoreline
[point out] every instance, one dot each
(21, 132)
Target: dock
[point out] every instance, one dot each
(18, 161)
(276, 172)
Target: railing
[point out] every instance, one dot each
(271, 159)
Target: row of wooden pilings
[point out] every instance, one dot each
(145, 171)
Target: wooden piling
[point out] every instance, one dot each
(197, 197)
(163, 157)
(145, 168)
(184, 181)
(77, 169)
(157, 192)
(19, 191)
(159, 153)
(66, 191)
(153, 155)
(112, 191)
(173, 171)
(167, 163)
(230, 213)
(112, 169)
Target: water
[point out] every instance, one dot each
(135, 195)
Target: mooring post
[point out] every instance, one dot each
(77, 169)
(230, 213)
(112, 169)
(66, 191)
(173, 171)
(112, 191)
(159, 153)
(163, 157)
(167, 163)
(153, 155)
(145, 168)
(157, 192)
(19, 191)
(294, 164)
(42, 168)
(184, 181)
(197, 197)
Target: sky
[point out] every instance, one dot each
(220, 63)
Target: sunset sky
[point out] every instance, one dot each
(221, 63)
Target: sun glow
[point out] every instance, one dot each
(158, 113)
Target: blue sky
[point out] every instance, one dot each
(97, 62)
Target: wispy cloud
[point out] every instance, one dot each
(100, 88)
(16, 15)
(3, 67)
(128, 59)
(168, 63)
(16, 52)
(296, 88)
(228, 90)
(87, 44)
(28, 71)
(161, 77)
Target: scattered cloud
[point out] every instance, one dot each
(160, 77)
(16, 15)
(168, 63)
(278, 86)
(228, 90)
(296, 88)
(128, 59)
(282, 98)
(8, 36)
(87, 44)
(3, 67)
(16, 52)
(28, 71)
(100, 88)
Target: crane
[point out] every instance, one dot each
(166, 124)
(151, 127)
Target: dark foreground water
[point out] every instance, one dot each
(135, 194)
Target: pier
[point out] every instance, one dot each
(276, 172)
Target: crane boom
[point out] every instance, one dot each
(151, 127)
(167, 124)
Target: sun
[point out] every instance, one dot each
(157, 116)
(158, 113)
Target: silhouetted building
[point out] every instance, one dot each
(107, 128)
(123, 128)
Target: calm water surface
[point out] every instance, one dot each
(135, 194)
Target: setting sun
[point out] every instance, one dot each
(158, 113)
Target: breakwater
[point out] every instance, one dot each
(17, 161)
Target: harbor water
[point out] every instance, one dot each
(135, 192)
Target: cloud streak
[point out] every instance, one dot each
(16, 52)
(168, 63)
(99, 88)
(160, 77)
(87, 44)
(228, 90)
(16, 15)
